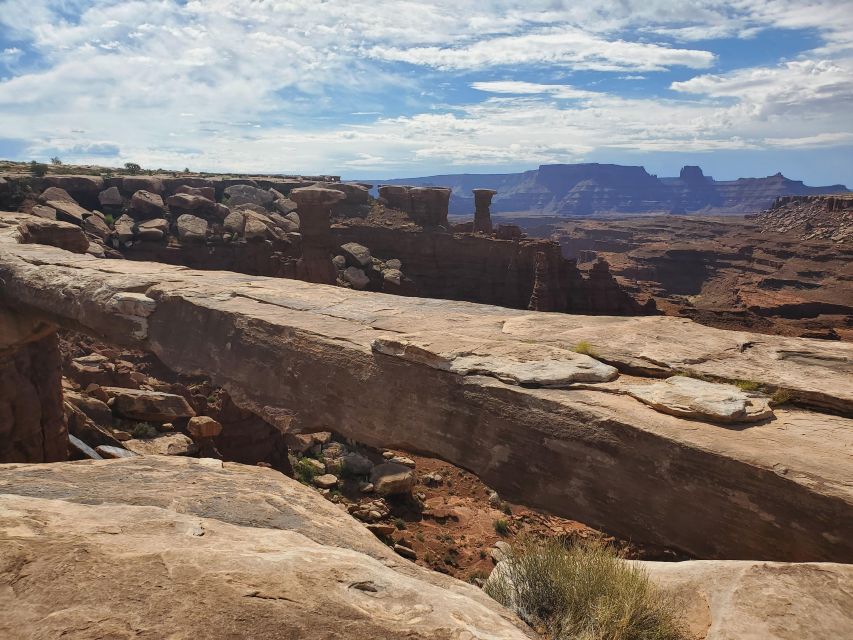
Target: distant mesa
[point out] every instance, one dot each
(592, 188)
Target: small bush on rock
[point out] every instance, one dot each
(747, 385)
(584, 348)
(38, 169)
(144, 430)
(501, 527)
(584, 592)
(305, 472)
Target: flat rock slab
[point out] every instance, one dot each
(539, 367)
(274, 560)
(139, 404)
(696, 399)
(168, 444)
(730, 600)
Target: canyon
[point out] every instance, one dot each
(387, 355)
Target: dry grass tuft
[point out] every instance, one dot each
(584, 592)
(585, 348)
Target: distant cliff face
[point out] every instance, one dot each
(590, 189)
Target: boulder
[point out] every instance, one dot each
(696, 399)
(145, 205)
(68, 211)
(139, 404)
(325, 481)
(94, 409)
(132, 184)
(246, 194)
(96, 226)
(191, 228)
(44, 211)
(153, 230)
(107, 451)
(203, 427)
(235, 222)
(80, 449)
(54, 233)
(254, 228)
(394, 276)
(284, 206)
(189, 203)
(84, 187)
(356, 277)
(357, 255)
(167, 444)
(390, 478)
(111, 198)
(394, 263)
(96, 249)
(204, 192)
(355, 464)
(124, 227)
(55, 194)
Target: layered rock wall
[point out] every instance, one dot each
(32, 422)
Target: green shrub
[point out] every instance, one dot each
(501, 527)
(584, 592)
(305, 472)
(780, 396)
(399, 523)
(748, 385)
(144, 430)
(585, 348)
(132, 168)
(38, 169)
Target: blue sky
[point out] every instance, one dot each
(403, 88)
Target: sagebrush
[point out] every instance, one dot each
(583, 592)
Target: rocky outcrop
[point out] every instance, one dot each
(811, 217)
(482, 211)
(427, 206)
(149, 543)
(314, 208)
(32, 419)
(306, 358)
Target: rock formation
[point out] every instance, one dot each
(482, 212)
(592, 188)
(486, 388)
(811, 217)
(313, 205)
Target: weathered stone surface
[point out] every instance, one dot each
(145, 205)
(357, 255)
(54, 233)
(32, 420)
(132, 184)
(204, 192)
(356, 277)
(326, 481)
(390, 478)
(167, 444)
(97, 226)
(138, 404)
(43, 211)
(760, 600)
(107, 451)
(691, 398)
(482, 212)
(203, 427)
(247, 194)
(542, 367)
(110, 197)
(153, 230)
(191, 228)
(235, 222)
(779, 489)
(123, 227)
(197, 204)
(154, 542)
(68, 211)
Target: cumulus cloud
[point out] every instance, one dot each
(297, 85)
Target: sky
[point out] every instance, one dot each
(397, 88)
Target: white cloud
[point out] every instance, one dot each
(277, 85)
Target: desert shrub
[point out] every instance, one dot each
(132, 168)
(748, 385)
(501, 527)
(56, 161)
(585, 348)
(780, 396)
(399, 523)
(144, 430)
(585, 592)
(38, 169)
(305, 472)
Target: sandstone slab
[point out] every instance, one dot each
(138, 404)
(691, 398)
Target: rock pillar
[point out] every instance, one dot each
(32, 420)
(430, 205)
(482, 212)
(313, 204)
(396, 197)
